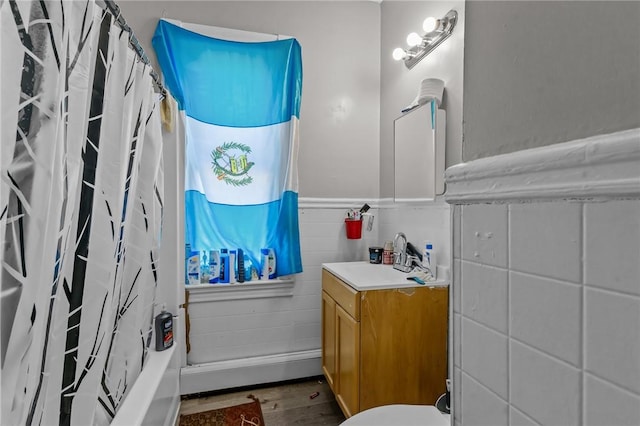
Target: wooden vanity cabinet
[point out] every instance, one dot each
(383, 347)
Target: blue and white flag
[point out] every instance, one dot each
(242, 106)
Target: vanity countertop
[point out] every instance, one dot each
(370, 276)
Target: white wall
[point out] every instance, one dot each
(340, 116)
(546, 291)
(538, 73)
(339, 167)
(399, 85)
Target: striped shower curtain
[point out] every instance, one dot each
(81, 189)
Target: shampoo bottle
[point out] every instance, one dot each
(193, 267)
(224, 266)
(264, 264)
(214, 266)
(204, 268)
(240, 266)
(164, 330)
(272, 264)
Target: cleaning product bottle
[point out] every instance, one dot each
(429, 258)
(164, 330)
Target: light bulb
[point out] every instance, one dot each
(430, 24)
(414, 39)
(399, 53)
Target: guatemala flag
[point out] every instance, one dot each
(242, 106)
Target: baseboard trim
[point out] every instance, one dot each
(250, 371)
(599, 167)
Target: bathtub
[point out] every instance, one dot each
(154, 398)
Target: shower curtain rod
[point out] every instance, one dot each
(114, 9)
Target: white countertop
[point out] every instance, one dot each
(370, 276)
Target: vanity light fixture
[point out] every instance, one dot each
(435, 32)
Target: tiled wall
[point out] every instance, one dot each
(239, 329)
(546, 290)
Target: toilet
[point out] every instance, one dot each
(399, 414)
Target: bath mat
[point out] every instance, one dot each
(249, 414)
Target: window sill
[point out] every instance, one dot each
(280, 287)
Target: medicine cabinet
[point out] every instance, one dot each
(419, 154)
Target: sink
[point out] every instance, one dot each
(370, 276)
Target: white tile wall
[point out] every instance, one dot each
(482, 407)
(517, 418)
(235, 330)
(487, 363)
(486, 300)
(606, 404)
(544, 239)
(546, 314)
(612, 245)
(543, 387)
(612, 337)
(484, 234)
(559, 282)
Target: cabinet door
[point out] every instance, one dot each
(348, 366)
(329, 339)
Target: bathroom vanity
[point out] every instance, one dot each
(383, 337)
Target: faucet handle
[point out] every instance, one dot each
(410, 259)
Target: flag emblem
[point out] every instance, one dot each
(229, 163)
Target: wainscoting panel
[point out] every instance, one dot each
(548, 250)
(278, 337)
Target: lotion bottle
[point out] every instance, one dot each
(429, 258)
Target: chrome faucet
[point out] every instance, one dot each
(401, 261)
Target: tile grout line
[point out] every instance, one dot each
(508, 254)
(583, 317)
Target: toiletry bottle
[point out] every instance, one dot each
(248, 267)
(187, 254)
(204, 268)
(214, 266)
(164, 330)
(232, 266)
(387, 253)
(429, 258)
(224, 266)
(264, 264)
(240, 265)
(272, 264)
(193, 268)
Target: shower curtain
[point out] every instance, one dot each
(81, 189)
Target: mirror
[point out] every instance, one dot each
(419, 147)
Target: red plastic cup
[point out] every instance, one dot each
(354, 228)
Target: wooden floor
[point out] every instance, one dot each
(283, 404)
